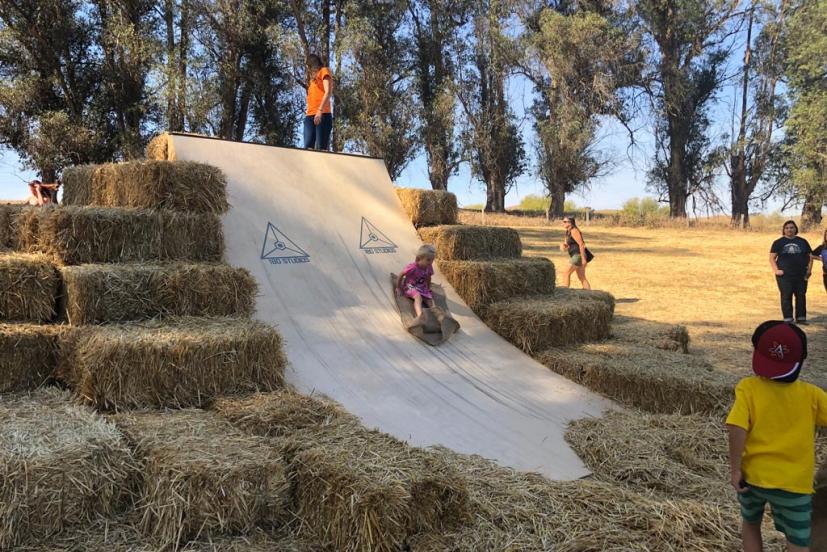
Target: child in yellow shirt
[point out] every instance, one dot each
(772, 437)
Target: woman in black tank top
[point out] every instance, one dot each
(578, 254)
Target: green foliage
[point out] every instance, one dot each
(534, 202)
(643, 212)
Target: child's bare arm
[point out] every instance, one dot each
(737, 442)
(399, 282)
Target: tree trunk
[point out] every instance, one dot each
(326, 30)
(556, 209)
(739, 191)
(183, 60)
(811, 211)
(172, 69)
(335, 140)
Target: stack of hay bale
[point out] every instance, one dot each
(514, 295)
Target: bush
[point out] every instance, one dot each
(534, 202)
(643, 212)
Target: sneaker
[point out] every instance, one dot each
(802, 322)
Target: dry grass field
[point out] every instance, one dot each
(715, 281)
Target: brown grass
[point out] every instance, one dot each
(77, 235)
(201, 477)
(28, 355)
(176, 363)
(355, 489)
(28, 288)
(645, 377)
(472, 243)
(60, 464)
(428, 207)
(576, 295)
(113, 293)
(537, 323)
(481, 283)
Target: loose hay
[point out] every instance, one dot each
(60, 465)
(669, 337)
(525, 512)
(28, 288)
(473, 243)
(113, 293)
(537, 323)
(28, 355)
(176, 363)
(355, 489)
(160, 148)
(78, 184)
(428, 207)
(77, 235)
(572, 294)
(201, 477)
(673, 456)
(481, 283)
(651, 379)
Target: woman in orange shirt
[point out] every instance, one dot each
(318, 120)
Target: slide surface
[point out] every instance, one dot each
(321, 233)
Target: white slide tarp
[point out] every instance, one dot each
(321, 233)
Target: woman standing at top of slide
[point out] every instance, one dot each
(318, 120)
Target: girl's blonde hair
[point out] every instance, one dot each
(426, 250)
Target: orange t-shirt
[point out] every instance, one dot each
(315, 92)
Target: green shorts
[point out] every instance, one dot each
(576, 260)
(791, 512)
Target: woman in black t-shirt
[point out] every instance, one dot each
(579, 255)
(791, 262)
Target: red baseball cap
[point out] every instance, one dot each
(780, 350)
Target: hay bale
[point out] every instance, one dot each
(473, 243)
(200, 477)
(28, 288)
(645, 377)
(78, 184)
(177, 363)
(8, 225)
(175, 185)
(77, 235)
(481, 283)
(60, 464)
(28, 355)
(571, 294)
(673, 456)
(537, 323)
(428, 207)
(114, 293)
(525, 512)
(161, 148)
(355, 489)
(669, 337)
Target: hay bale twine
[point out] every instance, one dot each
(645, 377)
(97, 293)
(184, 186)
(161, 148)
(61, 466)
(481, 283)
(669, 337)
(28, 355)
(537, 323)
(461, 242)
(78, 183)
(77, 235)
(28, 288)
(428, 207)
(355, 489)
(201, 477)
(175, 362)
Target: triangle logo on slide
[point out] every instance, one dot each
(279, 249)
(372, 240)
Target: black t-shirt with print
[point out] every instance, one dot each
(793, 255)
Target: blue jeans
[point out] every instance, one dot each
(317, 136)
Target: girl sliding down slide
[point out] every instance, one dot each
(415, 282)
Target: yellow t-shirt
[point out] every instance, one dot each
(780, 419)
